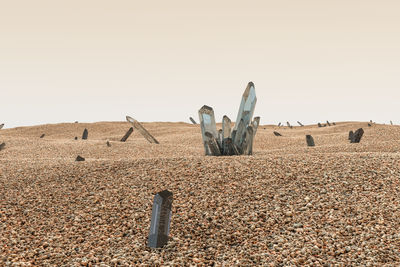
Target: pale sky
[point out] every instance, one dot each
(311, 61)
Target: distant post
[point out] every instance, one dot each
(160, 219)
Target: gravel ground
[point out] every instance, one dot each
(335, 204)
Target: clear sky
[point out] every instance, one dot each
(310, 60)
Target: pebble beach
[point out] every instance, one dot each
(335, 204)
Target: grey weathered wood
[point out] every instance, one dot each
(85, 134)
(226, 127)
(207, 124)
(2, 146)
(127, 134)
(142, 130)
(79, 158)
(160, 219)
(310, 140)
(277, 134)
(42, 136)
(192, 120)
(300, 123)
(358, 135)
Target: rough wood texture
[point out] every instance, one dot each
(142, 130)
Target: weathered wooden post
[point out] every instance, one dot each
(2, 146)
(42, 136)
(300, 123)
(160, 219)
(1, 126)
(277, 134)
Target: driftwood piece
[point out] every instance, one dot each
(192, 120)
(142, 130)
(310, 140)
(127, 134)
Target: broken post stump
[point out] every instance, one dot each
(85, 134)
(160, 219)
(288, 124)
(108, 144)
(142, 130)
(369, 125)
(319, 124)
(76, 138)
(310, 140)
(2, 146)
(1, 126)
(391, 123)
(327, 122)
(279, 124)
(277, 134)
(358, 135)
(126, 136)
(192, 120)
(79, 158)
(42, 136)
